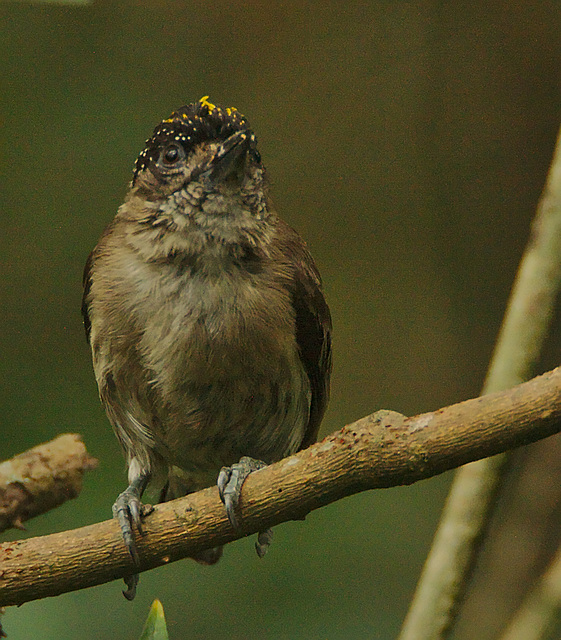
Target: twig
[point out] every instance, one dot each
(540, 611)
(382, 450)
(41, 479)
(472, 496)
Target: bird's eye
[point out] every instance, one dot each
(172, 154)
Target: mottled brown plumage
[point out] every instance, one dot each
(209, 331)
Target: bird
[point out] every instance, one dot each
(205, 313)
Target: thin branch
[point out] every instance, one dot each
(469, 505)
(41, 479)
(382, 450)
(536, 618)
(520, 543)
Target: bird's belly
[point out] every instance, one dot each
(240, 393)
(207, 426)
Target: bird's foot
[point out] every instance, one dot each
(264, 539)
(131, 582)
(230, 481)
(129, 511)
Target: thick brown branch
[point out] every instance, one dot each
(42, 478)
(382, 450)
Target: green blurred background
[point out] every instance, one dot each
(407, 141)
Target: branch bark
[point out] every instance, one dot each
(41, 479)
(381, 450)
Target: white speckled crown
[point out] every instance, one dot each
(190, 125)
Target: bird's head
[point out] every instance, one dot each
(200, 179)
(199, 144)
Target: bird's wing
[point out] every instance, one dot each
(87, 284)
(313, 330)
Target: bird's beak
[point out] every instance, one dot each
(228, 157)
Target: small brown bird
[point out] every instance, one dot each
(208, 327)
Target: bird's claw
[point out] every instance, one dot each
(264, 539)
(131, 582)
(230, 481)
(128, 512)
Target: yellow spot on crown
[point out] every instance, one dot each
(205, 103)
(231, 111)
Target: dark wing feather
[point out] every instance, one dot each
(87, 284)
(313, 333)
(88, 277)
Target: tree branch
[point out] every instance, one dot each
(469, 505)
(382, 450)
(41, 479)
(537, 617)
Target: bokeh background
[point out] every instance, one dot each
(407, 141)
